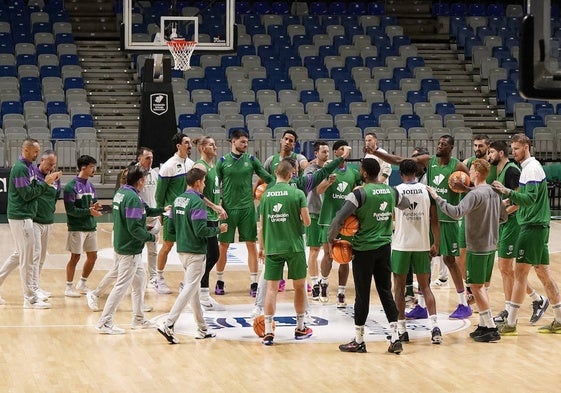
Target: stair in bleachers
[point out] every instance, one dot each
(111, 87)
(93, 19)
(462, 90)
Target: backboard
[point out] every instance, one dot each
(146, 22)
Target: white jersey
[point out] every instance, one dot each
(148, 193)
(412, 225)
(385, 167)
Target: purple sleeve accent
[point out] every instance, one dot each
(21, 182)
(309, 184)
(134, 212)
(198, 214)
(69, 197)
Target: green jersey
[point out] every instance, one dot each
(437, 178)
(171, 180)
(272, 162)
(188, 218)
(235, 174)
(212, 188)
(282, 226)
(334, 197)
(375, 205)
(532, 195)
(79, 194)
(24, 190)
(46, 203)
(129, 221)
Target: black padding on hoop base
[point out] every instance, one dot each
(157, 114)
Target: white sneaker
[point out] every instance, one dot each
(37, 305)
(257, 310)
(110, 329)
(438, 283)
(147, 308)
(144, 324)
(82, 287)
(2, 301)
(162, 287)
(43, 293)
(152, 282)
(212, 305)
(204, 333)
(69, 292)
(40, 295)
(93, 301)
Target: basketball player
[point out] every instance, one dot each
(534, 216)
(508, 174)
(334, 189)
(129, 235)
(171, 183)
(370, 145)
(81, 205)
(411, 247)
(373, 204)
(188, 221)
(235, 173)
(439, 168)
(482, 208)
(283, 210)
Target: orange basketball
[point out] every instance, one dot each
(342, 251)
(350, 226)
(458, 176)
(259, 325)
(259, 190)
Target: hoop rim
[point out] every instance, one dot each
(180, 42)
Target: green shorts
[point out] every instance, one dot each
(313, 232)
(168, 237)
(479, 267)
(403, 260)
(508, 236)
(532, 245)
(449, 232)
(296, 262)
(462, 233)
(245, 221)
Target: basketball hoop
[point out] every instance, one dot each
(181, 50)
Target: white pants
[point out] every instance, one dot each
(24, 238)
(130, 271)
(194, 266)
(108, 279)
(42, 233)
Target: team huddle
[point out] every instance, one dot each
(198, 206)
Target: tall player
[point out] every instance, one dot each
(439, 168)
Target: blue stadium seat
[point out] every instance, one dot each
(309, 96)
(356, 8)
(49, 70)
(62, 133)
(336, 108)
(543, 109)
(280, 8)
(445, 108)
(429, 84)
(504, 87)
(73, 83)
(353, 61)
(82, 120)
(329, 133)
(387, 84)
(352, 96)
(204, 107)
(376, 8)
(11, 107)
(380, 108)
(511, 99)
(318, 8)
(531, 122)
(364, 121)
(189, 120)
(249, 108)
(337, 8)
(54, 107)
(278, 120)
(197, 83)
(414, 96)
(411, 120)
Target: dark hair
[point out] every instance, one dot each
(339, 143)
(85, 160)
(140, 151)
(193, 175)
(500, 146)
(449, 137)
(291, 132)
(371, 167)
(373, 134)
(408, 167)
(237, 134)
(318, 144)
(482, 137)
(134, 174)
(177, 138)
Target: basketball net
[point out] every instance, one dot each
(181, 50)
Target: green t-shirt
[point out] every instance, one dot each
(334, 197)
(236, 178)
(437, 178)
(532, 195)
(282, 225)
(212, 188)
(375, 215)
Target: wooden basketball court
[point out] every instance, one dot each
(59, 350)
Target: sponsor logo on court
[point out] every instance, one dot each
(330, 324)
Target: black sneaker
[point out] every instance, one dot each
(253, 290)
(403, 337)
(538, 309)
(436, 336)
(268, 339)
(502, 317)
(478, 330)
(323, 293)
(168, 333)
(341, 301)
(219, 288)
(315, 292)
(395, 347)
(490, 334)
(353, 346)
